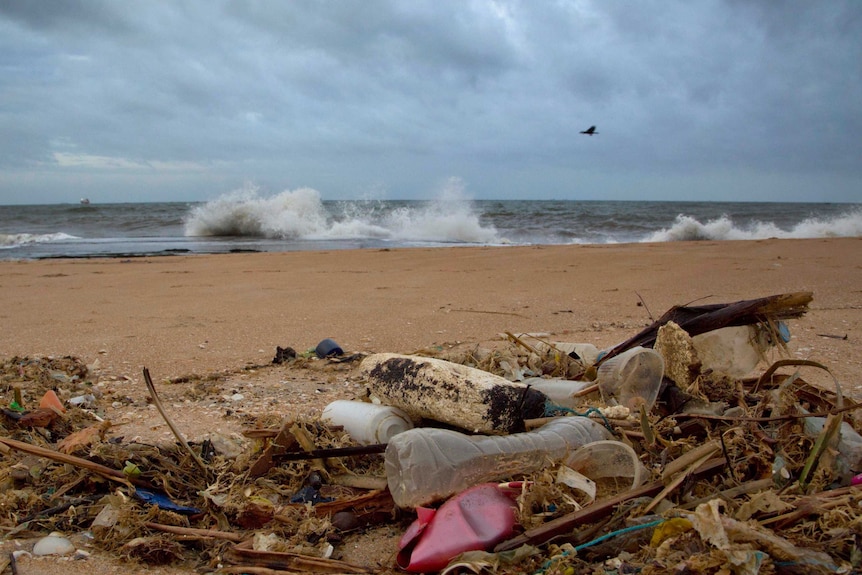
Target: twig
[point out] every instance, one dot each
(59, 509)
(243, 555)
(677, 481)
(517, 340)
(332, 452)
(646, 307)
(733, 492)
(106, 472)
(227, 535)
(152, 389)
(811, 504)
(682, 462)
(587, 390)
(490, 312)
(786, 362)
(786, 417)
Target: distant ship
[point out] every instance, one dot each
(85, 201)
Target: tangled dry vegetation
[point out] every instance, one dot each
(747, 489)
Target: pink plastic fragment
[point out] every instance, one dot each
(475, 519)
(857, 479)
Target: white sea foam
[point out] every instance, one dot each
(18, 240)
(687, 228)
(301, 214)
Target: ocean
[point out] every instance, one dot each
(246, 221)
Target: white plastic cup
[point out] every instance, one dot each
(631, 378)
(367, 423)
(609, 458)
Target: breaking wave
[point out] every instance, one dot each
(18, 240)
(301, 214)
(688, 228)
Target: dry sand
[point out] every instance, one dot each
(198, 314)
(182, 315)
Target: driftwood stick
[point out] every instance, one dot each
(105, 472)
(246, 569)
(152, 389)
(812, 504)
(685, 460)
(235, 537)
(696, 320)
(677, 481)
(332, 452)
(733, 492)
(242, 554)
(518, 341)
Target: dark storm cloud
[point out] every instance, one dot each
(338, 94)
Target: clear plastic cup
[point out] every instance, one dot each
(631, 378)
(609, 460)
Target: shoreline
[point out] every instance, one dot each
(205, 313)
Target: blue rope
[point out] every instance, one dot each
(619, 532)
(552, 409)
(598, 540)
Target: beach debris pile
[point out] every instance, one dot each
(668, 453)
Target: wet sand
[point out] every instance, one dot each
(179, 315)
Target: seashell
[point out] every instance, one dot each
(53, 544)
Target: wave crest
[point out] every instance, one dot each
(301, 214)
(688, 228)
(18, 240)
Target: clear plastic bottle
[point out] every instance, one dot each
(425, 464)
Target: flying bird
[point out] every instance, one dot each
(590, 131)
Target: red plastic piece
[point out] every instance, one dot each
(475, 519)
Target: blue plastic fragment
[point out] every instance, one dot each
(163, 502)
(784, 331)
(309, 494)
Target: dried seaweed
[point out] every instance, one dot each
(738, 474)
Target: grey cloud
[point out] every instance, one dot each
(342, 92)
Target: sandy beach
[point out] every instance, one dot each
(225, 315)
(181, 315)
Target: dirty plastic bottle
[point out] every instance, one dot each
(427, 464)
(848, 460)
(367, 423)
(631, 378)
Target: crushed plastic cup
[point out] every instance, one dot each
(608, 459)
(631, 378)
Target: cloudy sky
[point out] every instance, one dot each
(186, 100)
